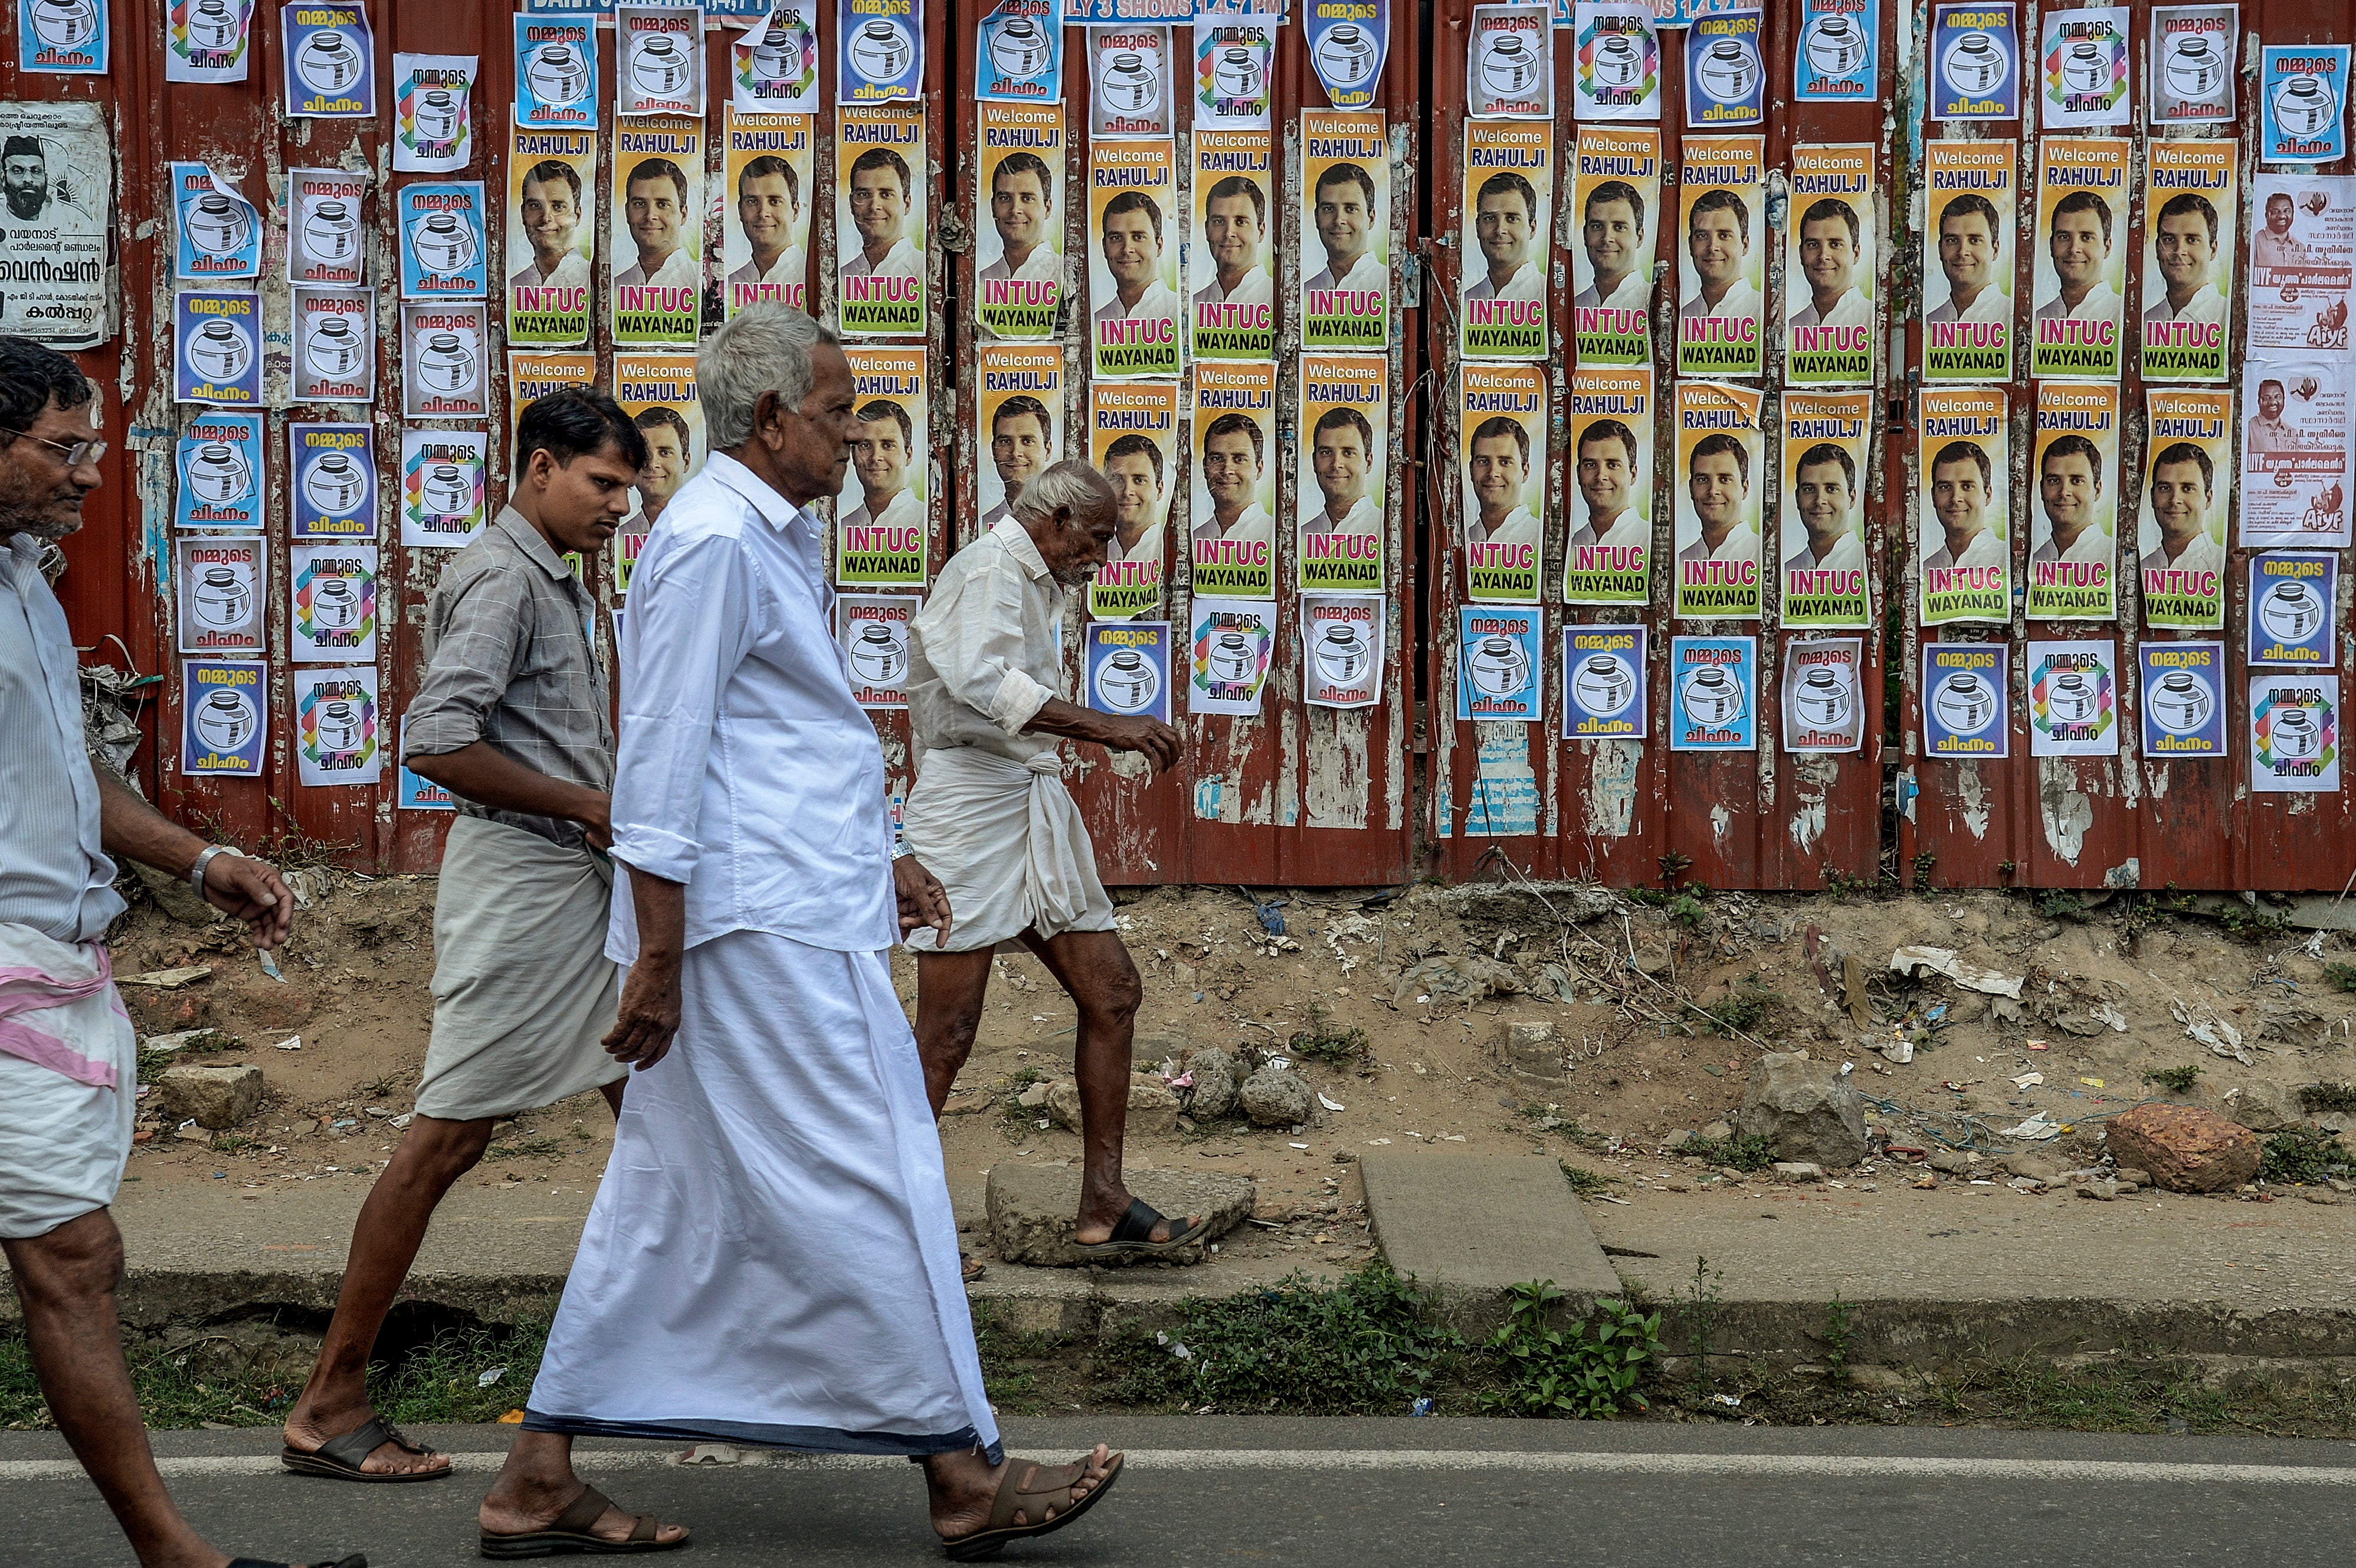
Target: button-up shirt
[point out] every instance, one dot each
(511, 662)
(54, 876)
(747, 770)
(985, 653)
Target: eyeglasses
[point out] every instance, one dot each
(77, 454)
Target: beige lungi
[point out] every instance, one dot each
(523, 993)
(1007, 842)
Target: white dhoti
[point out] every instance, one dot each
(1007, 842)
(772, 1258)
(68, 1081)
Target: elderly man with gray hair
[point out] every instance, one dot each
(990, 815)
(771, 1258)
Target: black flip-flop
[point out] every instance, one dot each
(340, 1459)
(569, 1532)
(1015, 1494)
(1133, 1237)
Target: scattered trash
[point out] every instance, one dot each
(1328, 1103)
(2111, 1015)
(486, 1379)
(1271, 915)
(711, 1454)
(2221, 1038)
(291, 1043)
(512, 1418)
(1909, 960)
(270, 965)
(1732, 1401)
(1296, 1146)
(400, 1121)
(167, 979)
(1901, 1051)
(1281, 1063)
(1849, 1067)
(2029, 1080)
(2093, 1083)
(2039, 1045)
(1420, 1407)
(2037, 1129)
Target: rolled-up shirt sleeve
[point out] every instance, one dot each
(472, 666)
(975, 648)
(691, 625)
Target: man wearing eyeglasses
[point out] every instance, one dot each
(69, 1061)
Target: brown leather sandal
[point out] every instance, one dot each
(569, 1532)
(1033, 1490)
(340, 1459)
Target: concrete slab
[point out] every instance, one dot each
(1476, 1225)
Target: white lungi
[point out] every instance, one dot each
(68, 1083)
(772, 1258)
(523, 993)
(1007, 842)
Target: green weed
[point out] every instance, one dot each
(1589, 1370)
(2176, 1080)
(1838, 1335)
(1584, 1182)
(1323, 1043)
(2319, 1098)
(1745, 1152)
(2302, 1154)
(2341, 974)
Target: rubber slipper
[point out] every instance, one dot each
(340, 1459)
(971, 1268)
(1015, 1495)
(1133, 1237)
(569, 1532)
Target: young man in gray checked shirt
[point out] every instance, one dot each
(514, 717)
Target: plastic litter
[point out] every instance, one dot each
(1328, 1103)
(270, 965)
(2027, 1080)
(291, 1043)
(1910, 961)
(486, 1379)
(2037, 1129)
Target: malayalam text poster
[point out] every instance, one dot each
(657, 234)
(2183, 700)
(1500, 663)
(555, 63)
(1714, 694)
(1232, 275)
(883, 516)
(874, 631)
(1341, 649)
(1838, 59)
(334, 610)
(2080, 290)
(1724, 79)
(1616, 192)
(2294, 447)
(1129, 81)
(2294, 732)
(1344, 472)
(1826, 456)
(442, 487)
(1229, 646)
(1020, 416)
(331, 482)
(1720, 453)
(1722, 269)
(2293, 596)
(1966, 700)
(1126, 665)
(1509, 63)
(879, 219)
(2073, 516)
(1133, 259)
(1824, 696)
(1974, 53)
(1828, 285)
(2301, 261)
(2192, 53)
(1963, 535)
(224, 717)
(217, 347)
(443, 256)
(2084, 67)
(1508, 213)
(1608, 559)
(56, 240)
(2302, 104)
(1134, 442)
(433, 114)
(445, 371)
(334, 346)
(1502, 420)
(2073, 699)
(764, 236)
(218, 462)
(323, 228)
(1019, 249)
(223, 592)
(1233, 504)
(1346, 235)
(338, 739)
(2188, 259)
(2187, 500)
(1604, 674)
(659, 61)
(1967, 305)
(1616, 68)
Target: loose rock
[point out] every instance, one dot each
(217, 1097)
(1953, 1161)
(1804, 1110)
(2185, 1148)
(1275, 1097)
(1798, 1170)
(1215, 1079)
(1152, 1109)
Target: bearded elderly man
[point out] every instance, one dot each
(990, 817)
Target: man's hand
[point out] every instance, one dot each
(923, 900)
(595, 814)
(649, 1017)
(253, 892)
(1150, 737)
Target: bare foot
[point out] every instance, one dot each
(1101, 1211)
(516, 1507)
(964, 1486)
(310, 1426)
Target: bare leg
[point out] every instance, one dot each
(1094, 969)
(536, 1484)
(66, 1282)
(964, 1486)
(949, 991)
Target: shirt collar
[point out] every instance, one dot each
(1008, 531)
(779, 512)
(527, 539)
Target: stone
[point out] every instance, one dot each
(1679, 1138)
(1152, 1109)
(1216, 1078)
(2101, 1192)
(1031, 1209)
(1798, 1170)
(2264, 1107)
(1804, 1110)
(1275, 1097)
(217, 1097)
(2127, 1189)
(2130, 1175)
(2036, 1165)
(2185, 1148)
(1530, 1052)
(1031, 1098)
(1718, 1132)
(1953, 1161)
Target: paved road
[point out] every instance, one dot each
(1348, 1493)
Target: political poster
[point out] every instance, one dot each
(2302, 104)
(2073, 518)
(655, 234)
(556, 72)
(2301, 261)
(1348, 41)
(1974, 52)
(1346, 235)
(1714, 694)
(2073, 699)
(1726, 80)
(658, 392)
(1966, 701)
(1509, 64)
(874, 631)
(324, 227)
(331, 482)
(1829, 267)
(1723, 263)
(1962, 549)
(442, 505)
(773, 64)
(2194, 51)
(1604, 677)
(880, 157)
(1020, 416)
(334, 346)
(1343, 472)
(1509, 215)
(62, 37)
(217, 463)
(764, 237)
(879, 50)
(1130, 80)
(1824, 696)
(1126, 668)
(1500, 663)
(1616, 199)
(1838, 59)
(217, 347)
(445, 371)
(1229, 645)
(1235, 74)
(2295, 733)
(659, 61)
(215, 231)
(1967, 260)
(883, 517)
(1233, 502)
(443, 254)
(1132, 441)
(1616, 68)
(2294, 617)
(1341, 649)
(1719, 479)
(2188, 259)
(1502, 421)
(1825, 453)
(56, 222)
(434, 118)
(335, 614)
(2294, 450)
(224, 717)
(1019, 52)
(2084, 67)
(208, 40)
(337, 735)
(2187, 500)
(2078, 294)
(1608, 559)
(329, 57)
(1231, 275)
(1132, 224)
(2183, 700)
(223, 591)
(418, 793)
(1019, 252)
(532, 376)
(552, 238)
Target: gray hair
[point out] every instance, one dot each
(765, 347)
(1069, 487)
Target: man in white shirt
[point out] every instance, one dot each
(882, 443)
(550, 210)
(2080, 248)
(2273, 246)
(1606, 460)
(1717, 242)
(1505, 221)
(1022, 433)
(1824, 497)
(2069, 492)
(1961, 480)
(1022, 210)
(655, 208)
(1347, 222)
(991, 813)
(1132, 256)
(1235, 231)
(2186, 249)
(1341, 456)
(1133, 467)
(1611, 234)
(778, 1174)
(879, 211)
(2267, 431)
(1970, 255)
(1498, 471)
(2182, 479)
(1233, 454)
(768, 210)
(1718, 483)
(1831, 246)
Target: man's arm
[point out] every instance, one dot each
(248, 889)
(488, 776)
(1158, 742)
(648, 1016)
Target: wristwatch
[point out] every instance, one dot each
(204, 859)
(900, 850)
